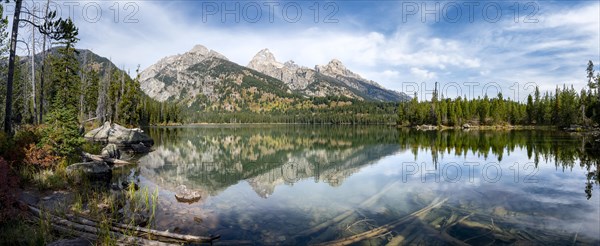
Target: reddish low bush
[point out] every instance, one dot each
(41, 157)
(13, 149)
(8, 191)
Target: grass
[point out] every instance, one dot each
(45, 179)
(133, 206)
(20, 232)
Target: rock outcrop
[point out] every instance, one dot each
(120, 136)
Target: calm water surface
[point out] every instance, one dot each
(295, 184)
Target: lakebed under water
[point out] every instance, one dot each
(299, 184)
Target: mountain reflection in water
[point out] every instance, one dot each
(302, 176)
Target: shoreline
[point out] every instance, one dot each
(418, 127)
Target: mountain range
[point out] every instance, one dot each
(205, 79)
(205, 86)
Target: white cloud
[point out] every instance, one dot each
(423, 73)
(551, 52)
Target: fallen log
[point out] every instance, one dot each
(407, 235)
(370, 201)
(387, 227)
(162, 234)
(443, 234)
(119, 238)
(90, 229)
(91, 232)
(113, 161)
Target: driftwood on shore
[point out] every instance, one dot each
(127, 234)
(112, 161)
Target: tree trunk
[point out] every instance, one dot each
(33, 70)
(83, 87)
(11, 68)
(42, 74)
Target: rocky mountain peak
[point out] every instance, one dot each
(200, 49)
(337, 65)
(262, 59)
(336, 68)
(173, 67)
(203, 52)
(289, 72)
(185, 76)
(265, 55)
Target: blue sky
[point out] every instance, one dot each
(396, 43)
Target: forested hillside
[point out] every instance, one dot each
(101, 90)
(563, 107)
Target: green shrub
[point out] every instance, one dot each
(61, 133)
(92, 147)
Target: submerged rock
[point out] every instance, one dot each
(183, 194)
(121, 136)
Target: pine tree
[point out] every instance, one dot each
(537, 108)
(401, 113)
(557, 107)
(128, 104)
(90, 96)
(592, 83)
(484, 110)
(530, 110)
(19, 107)
(65, 84)
(61, 132)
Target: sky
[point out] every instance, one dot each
(469, 48)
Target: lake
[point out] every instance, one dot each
(302, 184)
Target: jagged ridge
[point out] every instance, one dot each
(204, 79)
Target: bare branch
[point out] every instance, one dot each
(31, 23)
(32, 14)
(26, 45)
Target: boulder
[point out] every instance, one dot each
(183, 194)
(95, 170)
(111, 151)
(121, 136)
(466, 126)
(140, 148)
